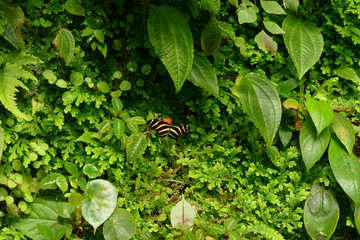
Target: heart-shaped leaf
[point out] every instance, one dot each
(99, 203)
(120, 226)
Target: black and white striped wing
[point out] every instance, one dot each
(162, 128)
(177, 130)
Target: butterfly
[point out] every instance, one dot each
(165, 128)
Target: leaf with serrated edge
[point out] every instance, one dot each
(171, 37)
(203, 75)
(262, 103)
(304, 43)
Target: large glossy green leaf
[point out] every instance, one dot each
(343, 129)
(262, 102)
(321, 114)
(171, 37)
(304, 42)
(99, 203)
(346, 169)
(43, 211)
(203, 75)
(312, 146)
(135, 146)
(182, 214)
(120, 226)
(65, 44)
(211, 37)
(321, 213)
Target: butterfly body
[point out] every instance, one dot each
(164, 128)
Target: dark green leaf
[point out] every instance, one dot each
(203, 75)
(312, 146)
(321, 213)
(304, 42)
(171, 37)
(71, 168)
(321, 114)
(72, 7)
(211, 37)
(94, 23)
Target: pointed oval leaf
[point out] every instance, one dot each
(312, 146)
(118, 128)
(43, 211)
(285, 135)
(347, 73)
(117, 104)
(304, 42)
(246, 15)
(321, 114)
(120, 226)
(182, 214)
(135, 146)
(171, 37)
(265, 42)
(272, 7)
(65, 44)
(99, 203)
(321, 213)
(203, 75)
(49, 182)
(273, 27)
(262, 103)
(211, 37)
(343, 129)
(230, 224)
(104, 126)
(136, 120)
(234, 236)
(346, 169)
(292, 4)
(217, 228)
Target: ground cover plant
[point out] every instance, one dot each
(266, 94)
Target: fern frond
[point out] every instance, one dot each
(9, 81)
(266, 231)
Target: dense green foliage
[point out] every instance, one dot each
(79, 79)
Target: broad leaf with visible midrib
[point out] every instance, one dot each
(182, 214)
(321, 114)
(43, 211)
(203, 75)
(321, 213)
(99, 203)
(135, 146)
(304, 42)
(312, 146)
(65, 44)
(262, 103)
(171, 37)
(346, 169)
(343, 129)
(211, 37)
